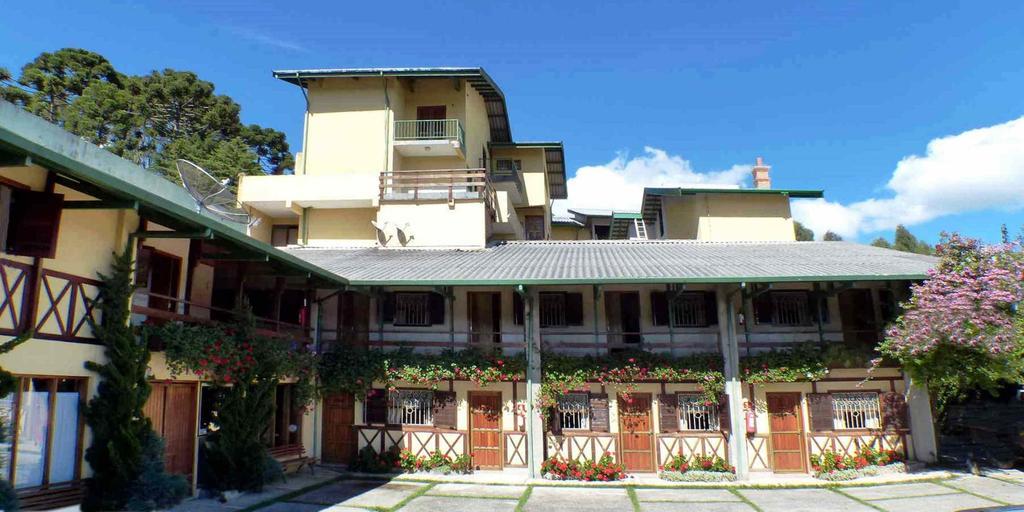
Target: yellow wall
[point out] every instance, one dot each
(346, 127)
(728, 217)
(436, 224)
(563, 232)
(341, 226)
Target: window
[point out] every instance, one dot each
(507, 166)
(284, 235)
(410, 407)
(855, 411)
(574, 411)
(559, 309)
(695, 413)
(32, 222)
(692, 309)
(415, 309)
(43, 457)
(534, 227)
(790, 308)
(602, 232)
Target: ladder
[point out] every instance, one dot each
(640, 228)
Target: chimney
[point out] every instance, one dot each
(760, 173)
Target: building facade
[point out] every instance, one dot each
(412, 188)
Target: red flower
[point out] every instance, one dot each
(203, 362)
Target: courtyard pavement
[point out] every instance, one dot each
(959, 493)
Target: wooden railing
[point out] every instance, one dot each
(14, 284)
(175, 307)
(446, 184)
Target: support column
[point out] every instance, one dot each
(922, 424)
(733, 388)
(534, 418)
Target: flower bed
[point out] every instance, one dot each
(831, 466)
(701, 468)
(604, 470)
(435, 463)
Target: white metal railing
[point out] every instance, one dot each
(855, 411)
(574, 410)
(410, 407)
(696, 414)
(430, 129)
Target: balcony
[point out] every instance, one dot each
(430, 137)
(442, 184)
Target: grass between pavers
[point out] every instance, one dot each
(862, 501)
(291, 494)
(744, 499)
(521, 506)
(972, 493)
(633, 498)
(407, 499)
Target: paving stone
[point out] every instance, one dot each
(882, 492)
(947, 503)
(694, 495)
(665, 506)
(284, 506)
(567, 499)
(478, 490)
(448, 504)
(803, 500)
(361, 494)
(991, 488)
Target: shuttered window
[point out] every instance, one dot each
(696, 413)
(574, 411)
(855, 411)
(410, 407)
(414, 309)
(691, 309)
(789, 308)
(34, 223)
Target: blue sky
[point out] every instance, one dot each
(833, 95)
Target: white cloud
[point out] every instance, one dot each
(975, 170)
(618, 185)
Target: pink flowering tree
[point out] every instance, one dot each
(963, 328)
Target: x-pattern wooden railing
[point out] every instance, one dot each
(68, 300)
(14, 279)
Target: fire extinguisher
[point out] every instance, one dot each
(751, 418)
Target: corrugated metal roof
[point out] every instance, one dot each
(606, 261)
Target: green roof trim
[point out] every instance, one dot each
(685, 191)
(63, 152)
(626, 215)
(639, 280)
(531, 144)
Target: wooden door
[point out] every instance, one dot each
(164, 276)
(636, 442)
(485, 317)
(622, 314)
(339, 438)
(172, 409)
(787, 432)
(354, 319)
(857, 313)
(485, 429)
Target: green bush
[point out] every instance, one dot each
(369, 461)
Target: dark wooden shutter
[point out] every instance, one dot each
(142, 266)
(668, 412)
(388, 307)
(819, 407)
(599, 419)
(711, 308)
(764, 308)
(659, 308)
(894, 411)
(517, 309)
(445, 410)
(574, 309)
(817, 302)
(376, 404)
(436, 308)
(554, 421)
(34, 223)
(724, 420)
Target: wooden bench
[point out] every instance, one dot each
(53, 496)
(292, 458)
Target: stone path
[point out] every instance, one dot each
(961, 493)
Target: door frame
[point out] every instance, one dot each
(354, 448)
(197, 391)
(650, 421)
(501, 427)
(800, 424)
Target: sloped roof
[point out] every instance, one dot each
(606, 261)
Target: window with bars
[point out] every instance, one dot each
(574, 411)
(410, 407)
(696, 414)
(412, 309)
(691, 310)
(855, 411)
(552, 310)
(791, 308)
(507, 166)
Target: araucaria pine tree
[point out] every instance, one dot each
(122, 436)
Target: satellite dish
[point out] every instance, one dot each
(386, 229)
(405, 233)
(211, 194)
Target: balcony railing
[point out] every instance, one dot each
(446, 184)
(171, 309)
(431, 129)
